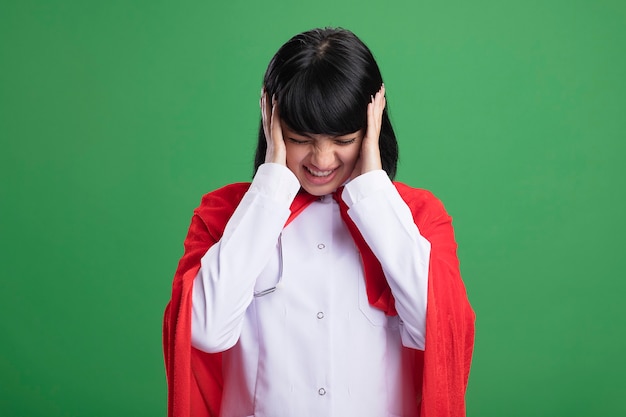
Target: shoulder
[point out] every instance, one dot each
(426, 208)
(217, 206)
(225, 197)
(418, 198)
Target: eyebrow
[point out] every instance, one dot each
(354, 134)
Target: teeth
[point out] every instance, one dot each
(320, 173)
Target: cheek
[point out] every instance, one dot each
(295, 155)
(351, 156)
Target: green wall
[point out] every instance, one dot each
(116, 116)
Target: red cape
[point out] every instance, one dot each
(441, 371)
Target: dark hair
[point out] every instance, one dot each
(323, 80)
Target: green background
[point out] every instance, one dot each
(116, 116)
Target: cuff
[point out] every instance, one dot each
(365, 185)
(276, 181)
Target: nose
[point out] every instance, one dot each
(324, 157)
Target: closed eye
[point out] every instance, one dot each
(299, 141)
(345, 142)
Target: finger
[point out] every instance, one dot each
(378, 106)
(276, 129)
(371, 119)
(381, 101)
(276, 151)
(266, 115)
(374, 118)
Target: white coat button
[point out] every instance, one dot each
(321, 246)
(320, 315)
(321, 391)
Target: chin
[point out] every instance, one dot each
(319, 190)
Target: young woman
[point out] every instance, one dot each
(322, 288)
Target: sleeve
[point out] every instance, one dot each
(387, 225)
(224, 284)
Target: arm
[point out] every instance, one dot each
(223, 287)
(387, 225)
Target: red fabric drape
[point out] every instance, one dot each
(441, 371)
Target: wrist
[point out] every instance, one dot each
(275, 157)
(371, 163)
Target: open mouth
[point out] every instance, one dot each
(319, 174)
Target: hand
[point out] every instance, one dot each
(369, 159)
(276, 151)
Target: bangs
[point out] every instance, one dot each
(322, 101)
